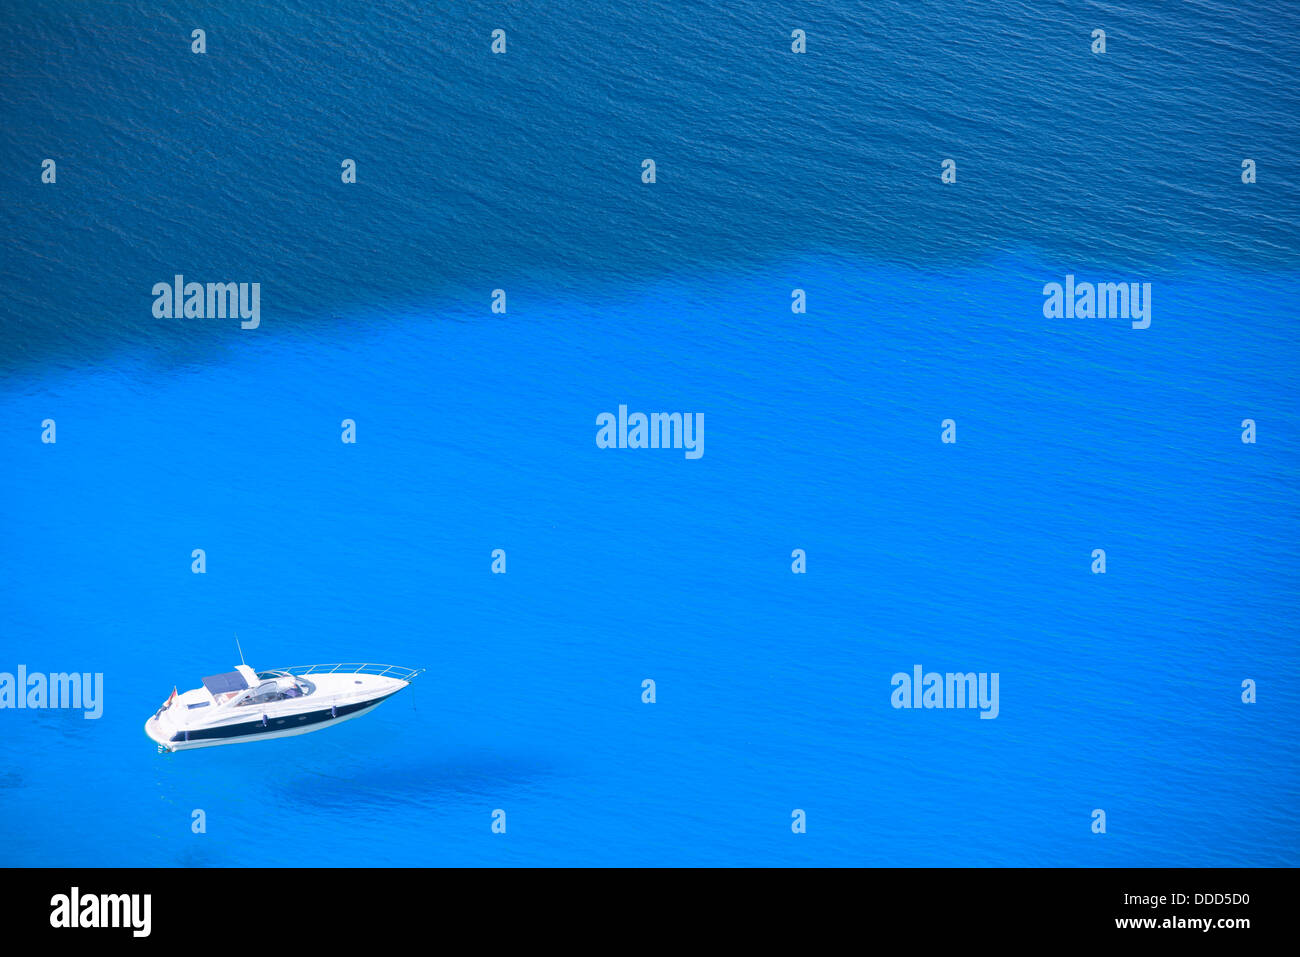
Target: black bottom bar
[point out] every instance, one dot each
(1149, 907)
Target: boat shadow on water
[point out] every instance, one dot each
(487, 776)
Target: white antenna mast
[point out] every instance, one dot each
(241, 650)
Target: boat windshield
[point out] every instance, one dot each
(278, 686)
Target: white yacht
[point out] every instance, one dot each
(247, 705)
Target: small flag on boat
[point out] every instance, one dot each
(170, 698)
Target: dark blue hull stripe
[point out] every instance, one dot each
(251, 729)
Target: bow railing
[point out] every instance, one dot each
(351, 668)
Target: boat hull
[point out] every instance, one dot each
(271, 726)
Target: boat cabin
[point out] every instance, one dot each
(243, 686)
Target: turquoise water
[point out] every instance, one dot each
(476, 431)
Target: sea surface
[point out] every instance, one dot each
(476, 430)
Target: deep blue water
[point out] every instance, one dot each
(476, 430)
